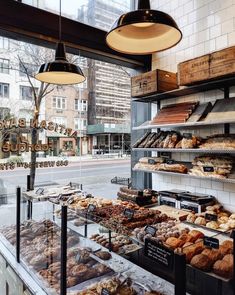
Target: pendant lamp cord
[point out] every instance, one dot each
(144, 4)
(60, 24)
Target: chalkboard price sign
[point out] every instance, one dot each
(158, 253)
(129, 213)
(105, 292)
(208, 169)
(91, 208)
(170, 162)
(40, 191)
(211, 217)
(151, 161)
(211, 242)
(150, 230)
(187, 135)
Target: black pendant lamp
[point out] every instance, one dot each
(143, 31)
(60, 71)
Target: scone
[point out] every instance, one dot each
(212, 224)
(191, 218)
(200, 221)
(223, 219)
(232, 216)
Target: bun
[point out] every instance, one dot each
(195, 235)
(200, 221)
(191, 218)
(173, 242)
(213, 254)
(212, 224)
(224, 267)
(226, 247)
(202, 262)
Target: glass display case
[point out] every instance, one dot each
(79, 244)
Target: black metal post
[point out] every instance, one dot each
(29, 210)
(233, 236)
(226, 96)
(18, 199)
(85, 227)
(28, 183)
(180, 274)
(110, 241)
(81, 186)
(63, 275)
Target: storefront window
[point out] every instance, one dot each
(96, 13)
(98, 110)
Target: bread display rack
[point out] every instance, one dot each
(218, 84)
(135, 267)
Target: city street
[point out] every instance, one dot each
(95, 175)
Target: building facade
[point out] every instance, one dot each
(108, 84)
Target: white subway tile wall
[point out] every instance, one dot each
(207, 25)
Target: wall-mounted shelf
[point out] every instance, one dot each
(201, 151)
(187, 90)
(147, 125)
(227, 180)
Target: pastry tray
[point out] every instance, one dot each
(84, 285)
(216, 231)
(139, 288)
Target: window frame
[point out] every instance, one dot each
(4, 70)
(3, 85)
(21, 92)
(55, 103)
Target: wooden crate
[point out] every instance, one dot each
(156, 81)
(207, 67)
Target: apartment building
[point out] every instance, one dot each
(108, 84)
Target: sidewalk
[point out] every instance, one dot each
(106, 157)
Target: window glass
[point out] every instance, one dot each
(28, 68)
(80, 105)
(4, 43)
(26, 93)
(59, 102)
(60, 120)
(4, 65)
(80, 124)
(98, 112)
(96, 13)
(4, 90)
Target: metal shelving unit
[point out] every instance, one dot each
(227, 180)
(201, 151)
(148, 125)
(187, 90)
